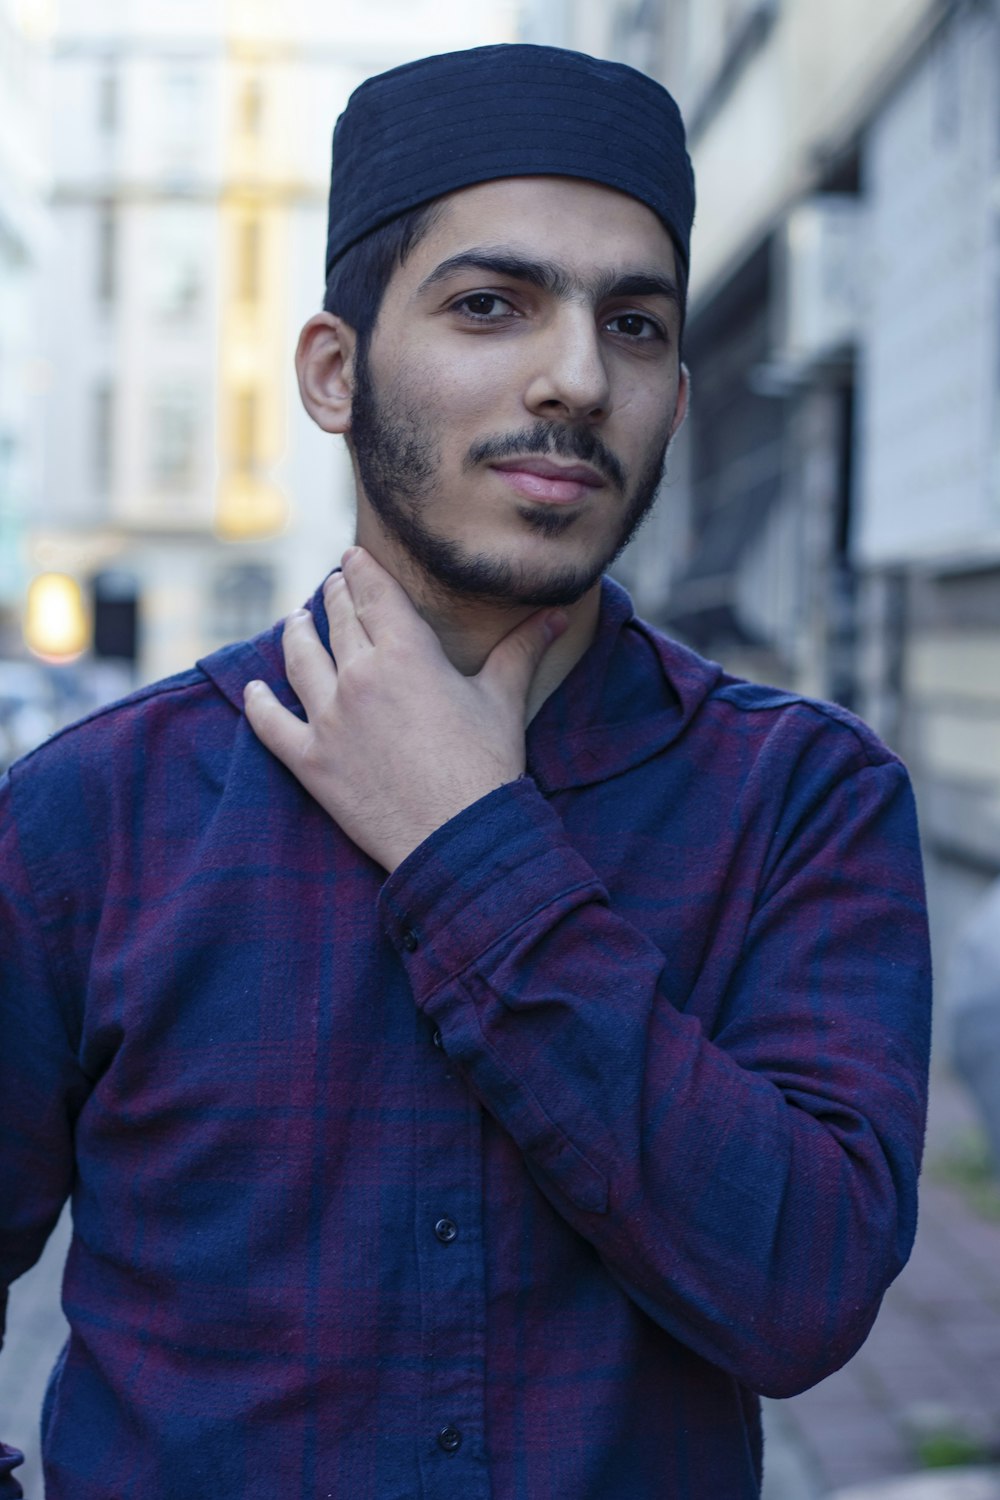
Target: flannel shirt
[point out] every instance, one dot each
(517, 1173)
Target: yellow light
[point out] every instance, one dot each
(56, 624)
(37, 19)
(248, 509)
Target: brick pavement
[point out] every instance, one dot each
(928, 1378)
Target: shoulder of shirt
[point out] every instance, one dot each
(118, 715)
(752, 697)
(760, 702)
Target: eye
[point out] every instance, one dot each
(635, 326)
(483, 307)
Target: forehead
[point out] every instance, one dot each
(583, 226)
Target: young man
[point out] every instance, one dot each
(486, 1044)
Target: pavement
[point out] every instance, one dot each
(36, 1331)
(924, 1389)
(964, 1484)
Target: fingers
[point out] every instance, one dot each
(278, 730)
(307, 662)
(382, 606)
(348, 637)
(514, 661)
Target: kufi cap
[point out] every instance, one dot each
(446, 122)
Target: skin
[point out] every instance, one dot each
(566, 344)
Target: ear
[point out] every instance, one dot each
(324, 364)
(683, 396)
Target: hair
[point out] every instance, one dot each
(358, 279)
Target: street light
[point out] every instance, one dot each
(56, 620)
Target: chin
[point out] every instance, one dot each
(527, 571)
(509, 581)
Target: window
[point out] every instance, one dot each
(251, 107)
(245, 430)
(180, 253)
(107, 102)
(107, 253)
(173, 439)
(102, 437)
(950, 86)
(181, 118)
(242, 601)
(248, 261)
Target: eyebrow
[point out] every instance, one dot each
(550, 277)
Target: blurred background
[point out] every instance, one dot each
(830, 521)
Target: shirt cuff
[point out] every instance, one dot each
(477, 879)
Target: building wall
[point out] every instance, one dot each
(770, 89)
(191, 166)
(861, 560)
(928, 523)
(930, 353)
(22, 236)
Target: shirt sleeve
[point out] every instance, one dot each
(41, 1086)
(753, 1191)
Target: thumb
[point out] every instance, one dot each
(513, 662)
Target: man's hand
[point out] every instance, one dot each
(397, 740)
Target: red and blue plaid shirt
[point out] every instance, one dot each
(516, 1174)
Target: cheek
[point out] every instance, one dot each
(456, 389)
(643, 417)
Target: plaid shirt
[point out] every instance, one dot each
(515, 1174)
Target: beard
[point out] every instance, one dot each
(399, 462)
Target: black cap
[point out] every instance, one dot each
(446, 122)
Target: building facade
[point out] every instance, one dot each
(23, 30)
(831, 514)
(185, 488)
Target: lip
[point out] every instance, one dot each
(543, 479)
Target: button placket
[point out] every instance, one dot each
(449, 1203)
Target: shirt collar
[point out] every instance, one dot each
(630, 695)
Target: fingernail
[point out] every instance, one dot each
(299, 614)
(252, 687)
(350, 555)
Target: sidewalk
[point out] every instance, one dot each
(925, 1388)
(36, 1330)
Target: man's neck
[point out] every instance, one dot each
(469, 629)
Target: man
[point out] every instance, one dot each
(486, 1056)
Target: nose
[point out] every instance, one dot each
(569, 381)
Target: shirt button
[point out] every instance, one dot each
(450, 1439)
(446, 1230)
(438, 1039)
(410, 939)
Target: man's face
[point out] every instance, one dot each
(510, 420)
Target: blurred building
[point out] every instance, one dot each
(22, 236)
(831, 518)
(185, 490)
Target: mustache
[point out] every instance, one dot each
(547, 440)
